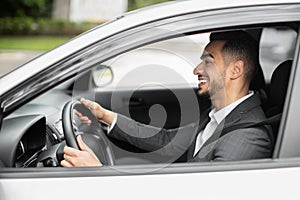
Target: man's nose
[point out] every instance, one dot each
(198, 69)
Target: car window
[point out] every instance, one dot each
(154, 79)
(165, 58)
(276, 45)
(153, 84)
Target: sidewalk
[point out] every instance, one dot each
(10, 59)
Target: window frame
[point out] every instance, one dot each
(287, 135)
(211, 21)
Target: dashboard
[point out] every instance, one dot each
(31, 135)
(22, 138)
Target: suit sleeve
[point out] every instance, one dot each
(164, 142)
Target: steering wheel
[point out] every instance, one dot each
(97, 140)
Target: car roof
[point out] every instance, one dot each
(123, 22)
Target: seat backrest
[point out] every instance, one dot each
(277, 91)
(258, 84)
(258, 81)
(278, 87)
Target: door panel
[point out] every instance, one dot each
(154, 107)
(268, 183)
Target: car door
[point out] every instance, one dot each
(253, 179)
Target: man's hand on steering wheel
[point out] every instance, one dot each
(79, 158)
(77, 152)
(101, 114)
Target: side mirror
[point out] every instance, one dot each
(102, 75)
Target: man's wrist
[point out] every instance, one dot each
(108, 117)
(110, 127)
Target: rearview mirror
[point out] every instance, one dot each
(102, 75)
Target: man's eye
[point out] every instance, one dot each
(207, 62)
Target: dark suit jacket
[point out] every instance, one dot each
(179, 144)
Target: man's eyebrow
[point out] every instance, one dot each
(205, 55)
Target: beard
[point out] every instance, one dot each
(213, 89)
(217, 86)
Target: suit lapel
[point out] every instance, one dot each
(231, 119)
(228, 121)
(204, 119)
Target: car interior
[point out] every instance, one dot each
(33, 135)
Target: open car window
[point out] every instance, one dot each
(153, 84)
(178, 55)
(276, 46)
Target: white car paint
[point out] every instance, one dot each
(236, 185)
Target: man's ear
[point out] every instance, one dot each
(237, 69)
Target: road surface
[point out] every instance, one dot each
(10, 59)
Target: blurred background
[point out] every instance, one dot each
(30, 27)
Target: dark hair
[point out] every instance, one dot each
(239, 45)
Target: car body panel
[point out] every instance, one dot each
(241, 184)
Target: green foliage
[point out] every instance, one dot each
(135, 4)
(36, 43)
(25, 17)
(15, 25)
(41, 26)
(23, 8)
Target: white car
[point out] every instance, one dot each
(140, 65)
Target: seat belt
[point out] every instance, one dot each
(268, 121)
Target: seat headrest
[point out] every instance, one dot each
(279, 84)
(258, 80)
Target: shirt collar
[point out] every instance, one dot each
(218, 116)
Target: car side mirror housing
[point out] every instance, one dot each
(102, 75)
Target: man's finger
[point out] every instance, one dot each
(87, 122)
(81, 144)
(78, 113)
(85, 119)
(70, 151)
(65, 163)
(69, 159)
(87, 103)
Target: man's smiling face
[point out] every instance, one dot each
(212, 70)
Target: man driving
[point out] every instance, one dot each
(228, 65)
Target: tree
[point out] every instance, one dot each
(28, 8)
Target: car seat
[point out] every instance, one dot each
(258, 84)
(277, 91)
